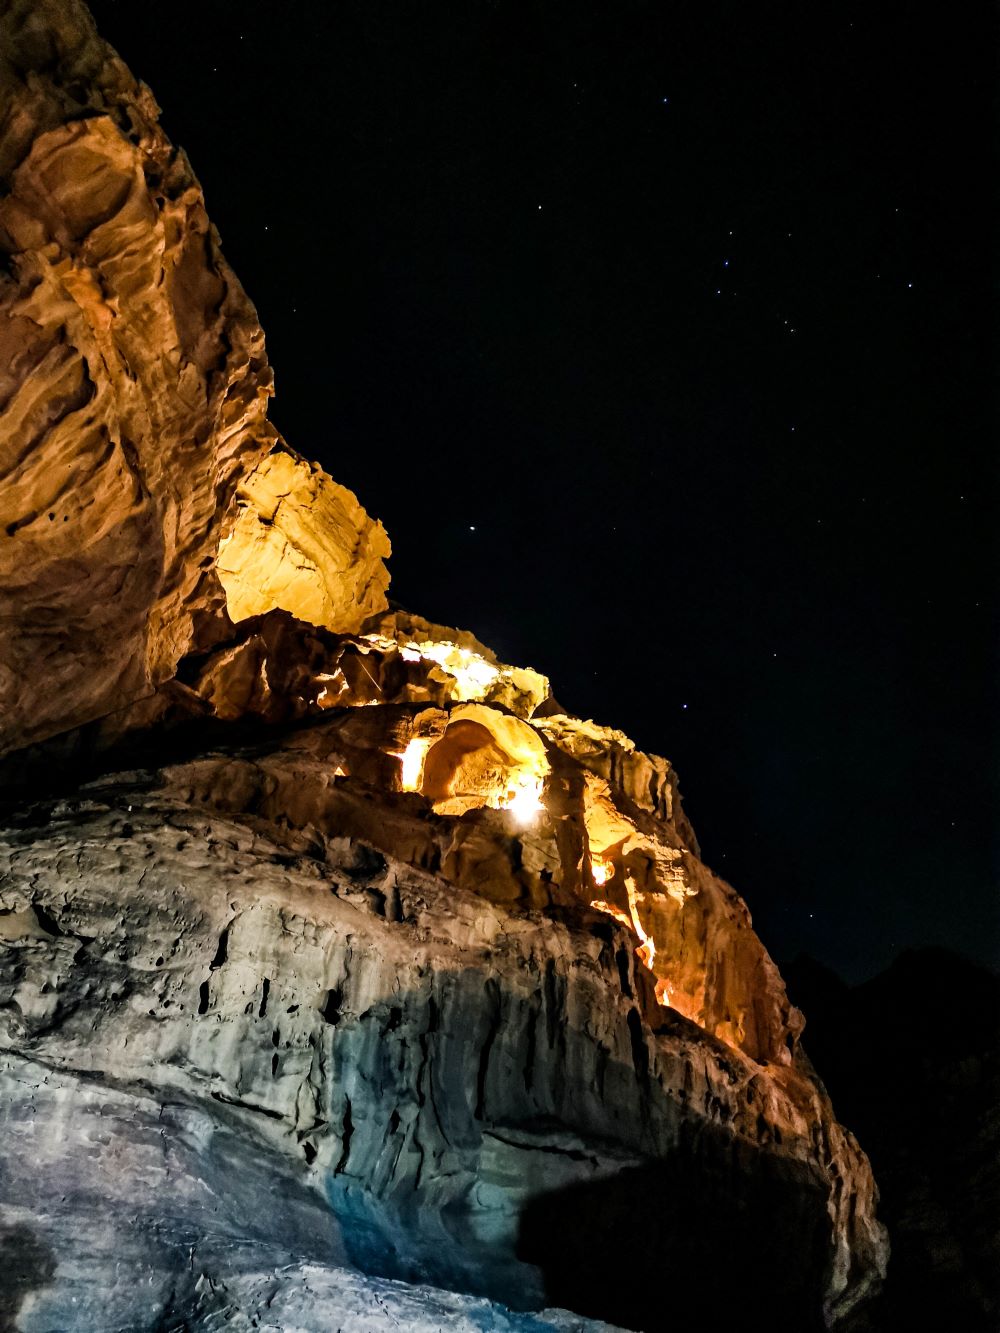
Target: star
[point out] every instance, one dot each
(472, 527)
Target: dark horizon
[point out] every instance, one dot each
(660, 340)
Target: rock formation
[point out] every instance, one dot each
(330, 945)
(133, 397)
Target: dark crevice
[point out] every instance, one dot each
(247, 1106)
(623, 958)
(574, 1154)
(330, 1013)
(222, 952)
(493, 1007)
(348, 1131)
(640, 1051)
(394, 1019)
(46, 920)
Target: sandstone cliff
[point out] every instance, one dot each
(329, 943)
(133, 398)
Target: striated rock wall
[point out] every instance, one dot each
(133, 396)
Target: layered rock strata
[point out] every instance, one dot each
(333, 944)
(405, 988)
(133, 401)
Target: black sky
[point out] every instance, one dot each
(660, 338)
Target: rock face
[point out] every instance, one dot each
(133, 399)
(334, 954)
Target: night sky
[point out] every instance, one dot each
(659, 337)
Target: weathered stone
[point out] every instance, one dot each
(133, 397)
(343, 947)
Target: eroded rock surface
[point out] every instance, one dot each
(334, 953)
(133, 401)
(455, 1077)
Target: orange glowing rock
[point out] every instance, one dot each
(303, 544)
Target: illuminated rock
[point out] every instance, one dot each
(133, 400)
(355, 949)
(303, 544)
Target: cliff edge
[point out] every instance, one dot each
(334, 954)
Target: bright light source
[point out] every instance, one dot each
(525, 800)
(412, 762)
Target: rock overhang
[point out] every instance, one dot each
(170, 565)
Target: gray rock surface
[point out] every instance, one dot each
(233, 1048)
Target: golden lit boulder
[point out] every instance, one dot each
(302, 544)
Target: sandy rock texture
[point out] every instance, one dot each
(334, 954)
(133, 400)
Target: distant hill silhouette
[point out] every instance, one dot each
(911, 1059)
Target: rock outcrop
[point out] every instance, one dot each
(329, 943)
(133, 398)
